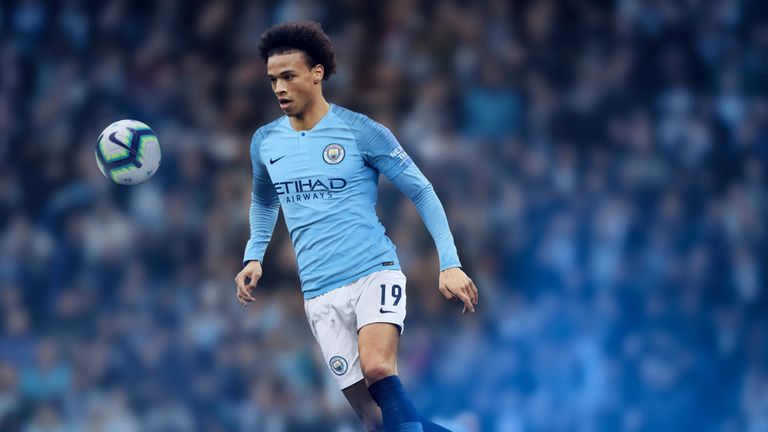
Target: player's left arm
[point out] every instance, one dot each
(385, 154)
(454, 283)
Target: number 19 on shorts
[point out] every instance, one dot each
(390, 296)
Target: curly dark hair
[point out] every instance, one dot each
(305, 36)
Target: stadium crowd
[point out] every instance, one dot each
(602, 164)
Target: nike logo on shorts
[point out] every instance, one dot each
(381, 310)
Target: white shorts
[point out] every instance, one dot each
(336, 316)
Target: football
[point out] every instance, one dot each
(128, 152)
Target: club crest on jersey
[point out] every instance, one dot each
(333, 154)
(338, 365)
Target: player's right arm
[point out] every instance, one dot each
(262, 217)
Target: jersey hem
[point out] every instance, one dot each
(328, 288)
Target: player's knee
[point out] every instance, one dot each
(375, 371)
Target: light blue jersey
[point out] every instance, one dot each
(325, 179)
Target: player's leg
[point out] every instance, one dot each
(364, 405)
(381, 311)
(377, 344)
(370, 414)
(378, 358)
(377, 347)
(334, 323)
(332, 320)
(381, 315)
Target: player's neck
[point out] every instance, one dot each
(311, 116)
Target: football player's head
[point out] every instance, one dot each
(299, 57)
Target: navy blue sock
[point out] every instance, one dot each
(432, 427)
(397, 410)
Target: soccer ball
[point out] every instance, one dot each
(128, 152)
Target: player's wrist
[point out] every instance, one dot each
(443, 270)
(255, 264)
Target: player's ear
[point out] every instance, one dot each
(317, 73)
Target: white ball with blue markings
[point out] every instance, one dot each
(128, 152)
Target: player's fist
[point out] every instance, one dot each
(246, 281)
(454, 283)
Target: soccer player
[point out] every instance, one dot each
(321, 163)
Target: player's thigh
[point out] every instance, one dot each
(377, 344)
(333, 323)
(380, 319)
(364, 405)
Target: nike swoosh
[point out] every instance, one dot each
(381, 310)
(271, 161)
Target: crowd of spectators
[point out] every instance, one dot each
(602, 164)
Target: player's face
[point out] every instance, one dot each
(295, 84)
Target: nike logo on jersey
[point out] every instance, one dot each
(271, 161)
(381, 310)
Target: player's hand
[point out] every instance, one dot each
(246, 281)
(455, 284)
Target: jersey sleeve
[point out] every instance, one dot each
(264, 205)
(381, 150)
(415, 185)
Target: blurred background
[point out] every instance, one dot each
(602, 164)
